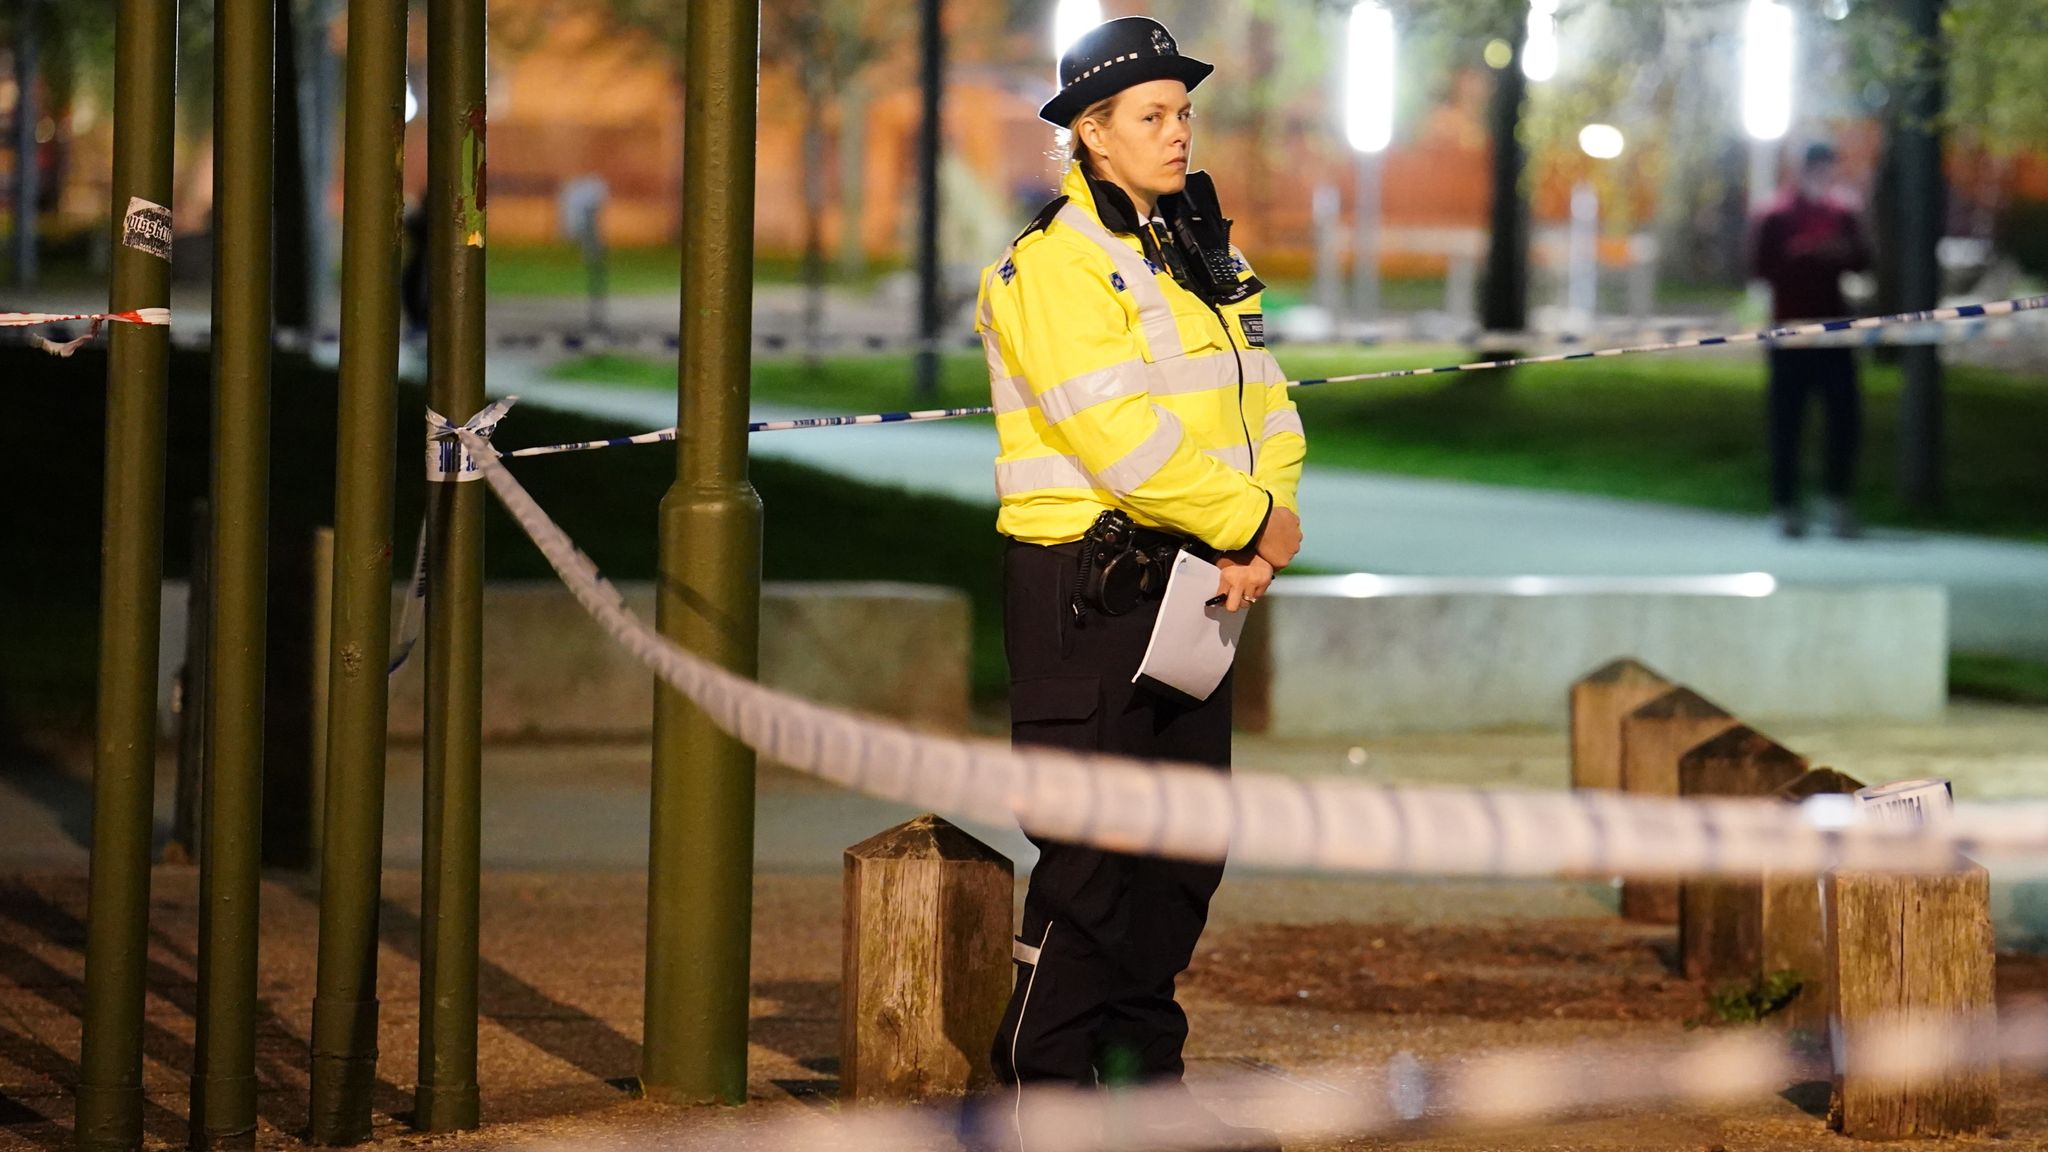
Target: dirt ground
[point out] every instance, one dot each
(1347, 976)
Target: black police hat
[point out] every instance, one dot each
(1114, 56)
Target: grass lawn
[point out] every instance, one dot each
(818, 526)
(1681, 430)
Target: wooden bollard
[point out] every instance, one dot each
(1906, 949)
(926, 963)
(1720, 922)
(1652, 738)
(1794, 939)
(1599, 700)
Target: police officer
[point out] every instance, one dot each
(1139, 414)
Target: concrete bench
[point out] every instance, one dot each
(1335, 656)
(897, 650)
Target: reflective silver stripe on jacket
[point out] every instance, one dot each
(1238, 456)
(1144, 462)
(1155, 316)
(1037, 473)
(1126, 475)
(1280, 420)
(1260, 366)
(1184, 376)
(1091, 388)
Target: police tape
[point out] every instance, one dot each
(448, 462)
(1407, 1095)
(1332, 825)
(1269, 821)
(155, 317)
(1828, 328)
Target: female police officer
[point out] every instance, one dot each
(1138, 414)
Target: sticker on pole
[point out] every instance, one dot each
(147, 228)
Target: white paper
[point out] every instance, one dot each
(1192, 643)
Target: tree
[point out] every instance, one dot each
(827, 45)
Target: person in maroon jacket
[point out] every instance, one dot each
(1801, 245)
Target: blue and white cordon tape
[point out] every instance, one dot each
(1823, 328)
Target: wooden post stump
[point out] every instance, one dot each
(1598, 702)
(1652, 738)
(1720, 922)
(1794, 939)
(927, 962)
(1906, 949)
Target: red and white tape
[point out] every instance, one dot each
(157, 317)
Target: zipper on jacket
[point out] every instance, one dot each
(1251, 453)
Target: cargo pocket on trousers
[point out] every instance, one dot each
(1058, 711)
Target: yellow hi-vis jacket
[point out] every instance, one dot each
(1115, 387)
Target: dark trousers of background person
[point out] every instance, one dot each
(1798, 377)
(1112, 931)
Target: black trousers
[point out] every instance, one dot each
(1798, 375)
(1105, 934)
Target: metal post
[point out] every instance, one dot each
(1365, 242)
(188, 694)
(1324, 209)
(1582, 258)
(1504, 301)
(352, 844)
(1923, 197)
(701, 854)
(446, 1098)
(109, 1108)
(1763, 174)
(26, 117)
(322, 644)
(231, 867)
(929, 288)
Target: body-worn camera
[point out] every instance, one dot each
(1116, 573)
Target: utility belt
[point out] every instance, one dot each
(1123, 565)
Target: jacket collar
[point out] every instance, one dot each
(1109, 204)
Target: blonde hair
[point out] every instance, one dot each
(1077, 152)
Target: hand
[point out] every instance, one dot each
(1245, 577)
(1280, 539)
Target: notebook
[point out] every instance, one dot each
(1192, 643)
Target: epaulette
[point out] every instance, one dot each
(1043, 220)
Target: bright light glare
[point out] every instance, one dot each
(412, 103)
(1755, 584)
(1361, 585)
(1070, 20)
(1369, 82)
(1601, 141)
(1539, 52)
(1829, 810)
(1768, 60)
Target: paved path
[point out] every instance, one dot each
(1363, 522)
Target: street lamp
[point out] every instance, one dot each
(1369, 128)
(1582, 247)
(1769, 58)
(1539, 50)
(1070, 21)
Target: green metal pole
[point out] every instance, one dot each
(231, 867)
(701, 856)
(109, 1109)
(446, 1099)
(352, 846)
